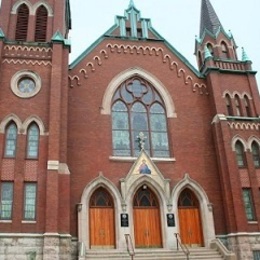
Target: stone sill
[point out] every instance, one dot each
(133, 159)
(252, 222)
(6, 221)
(29, 222)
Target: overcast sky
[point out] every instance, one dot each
(176, 20)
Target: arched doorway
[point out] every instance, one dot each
(147, 224)
(101, 220)
(189, 219)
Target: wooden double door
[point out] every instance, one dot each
(147, 224)
(189, 219)
(101, 220)
(146, 215)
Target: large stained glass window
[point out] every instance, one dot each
(137, 107)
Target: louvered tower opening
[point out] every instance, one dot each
(22, 23)
(41, 24)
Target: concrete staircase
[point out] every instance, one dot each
(154, 254)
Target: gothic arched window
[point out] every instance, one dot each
(238, 106)
(210, 48)
(224, 50)
(247, 106)
(229, 105)
(33, 141)
(188, 199)
(256, 154)
(10, 140)
(144, 197)
(240, 154)
(41, 24)
(101, 198)
(22, 23)
(138, 108)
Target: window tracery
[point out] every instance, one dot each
(137, 107)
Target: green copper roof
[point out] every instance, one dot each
(127, 28)
(2, 35)
(57, 37)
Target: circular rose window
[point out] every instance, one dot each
(25, 84)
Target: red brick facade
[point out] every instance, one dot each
(73, 113)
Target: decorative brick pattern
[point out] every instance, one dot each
(244, 178)
(258, 176)
(8, 170)
(31, 168)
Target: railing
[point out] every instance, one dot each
(219, 246)
(82, 251)
(184, 248)
(130, 246)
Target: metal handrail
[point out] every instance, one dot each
(130, 246)
(82, 250)
(184, 248)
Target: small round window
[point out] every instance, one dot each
(25, 84)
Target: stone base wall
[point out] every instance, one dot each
(37, 247)
(242, 244)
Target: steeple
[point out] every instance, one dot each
(220, 44)
(209, 20)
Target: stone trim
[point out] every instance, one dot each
(27, 74)
(133, 159)
(135, 71)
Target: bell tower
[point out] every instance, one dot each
(34, 20)
(234, 102)
(34, 51)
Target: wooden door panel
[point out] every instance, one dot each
(190, 226)
(183, 219)
(102, 228)
(147, 227)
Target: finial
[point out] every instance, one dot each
(207, 53)
(198, 39)
(244, 55)
(141, 140)
(230, 34)
(131, 3)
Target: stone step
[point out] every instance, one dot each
(156, 254)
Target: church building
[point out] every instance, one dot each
(129, 151)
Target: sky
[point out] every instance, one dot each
(176, 20)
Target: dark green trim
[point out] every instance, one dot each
(85, 53)
(160, 39)
(241, 118)
(228, 71)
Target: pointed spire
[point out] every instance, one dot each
(244, 55)
(209, 19)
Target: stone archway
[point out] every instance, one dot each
(190, 219)
(101, 220)
(205, 207)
